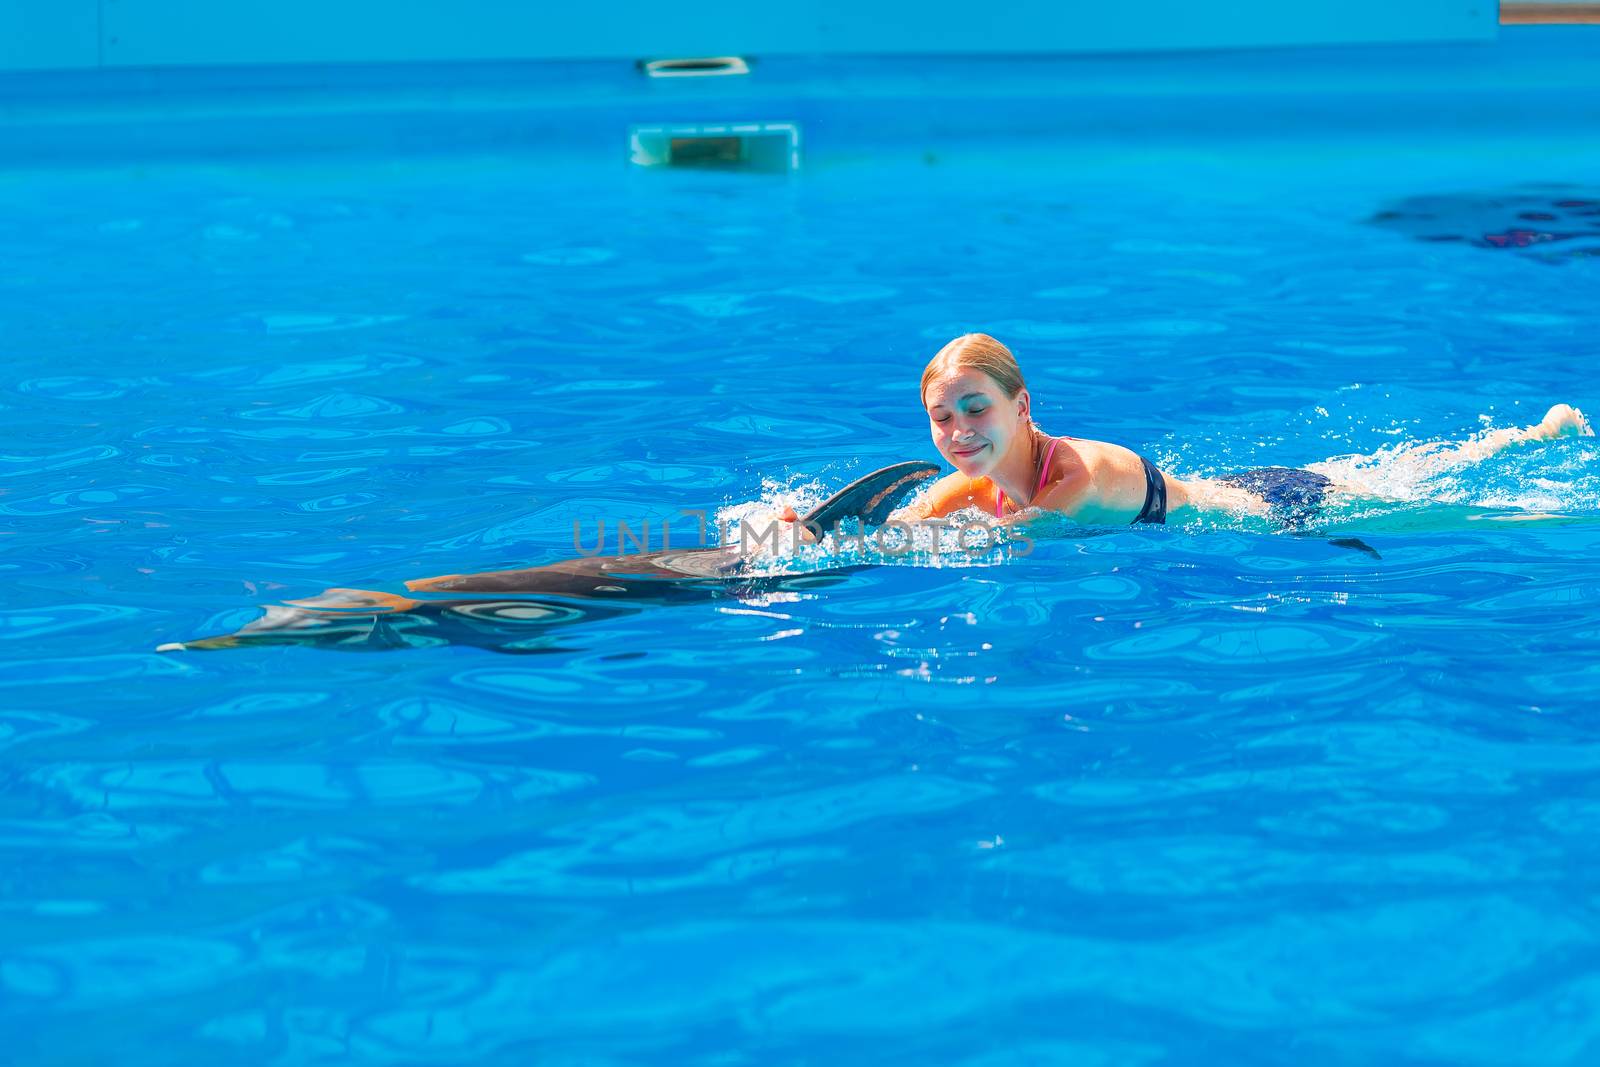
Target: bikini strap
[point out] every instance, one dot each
(1155, 495)
(1044, 473)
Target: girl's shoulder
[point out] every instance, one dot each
(1069, 478)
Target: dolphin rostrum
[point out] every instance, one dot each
(513, 611)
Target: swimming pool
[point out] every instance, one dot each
(1152, 795)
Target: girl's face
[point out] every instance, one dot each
(972, 420)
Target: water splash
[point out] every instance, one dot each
(1562, 475)
(773, 546)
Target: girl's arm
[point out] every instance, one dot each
(950, 494)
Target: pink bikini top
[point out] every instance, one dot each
(1044, 472)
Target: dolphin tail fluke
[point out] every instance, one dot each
(204, 644)
(334, 616)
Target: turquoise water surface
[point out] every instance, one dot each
(1193, 794)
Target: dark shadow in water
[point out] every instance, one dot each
(1551, 222)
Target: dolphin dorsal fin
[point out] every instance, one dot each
(872, 497)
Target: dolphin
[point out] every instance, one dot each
(514, 611)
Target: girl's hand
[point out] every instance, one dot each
(788, 515)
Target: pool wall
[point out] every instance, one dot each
(1533, 80)
(86, 34)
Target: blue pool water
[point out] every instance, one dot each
(1196, 794)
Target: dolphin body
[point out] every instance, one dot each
(514, 611)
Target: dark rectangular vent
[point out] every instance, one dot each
(773, 147)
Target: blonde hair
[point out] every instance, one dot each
(980, 352)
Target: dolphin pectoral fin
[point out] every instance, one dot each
(872, 497)
(1354, 543)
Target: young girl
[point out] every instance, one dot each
(979, 414)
